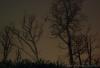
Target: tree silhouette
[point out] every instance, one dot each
(65, 18)
(82, 45)
(6, 40)
(18, 55)
(30, 34)
(89, 47)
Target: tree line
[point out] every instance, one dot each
(65, 23)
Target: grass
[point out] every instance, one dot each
(27, 64)
(40, 64)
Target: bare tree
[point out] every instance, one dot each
(84, 45)
(18, 55)
(30, 34)
(65, 17)
(78, 47)
(90, 46)
(6, 42)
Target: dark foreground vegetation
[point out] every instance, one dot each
(41, 64)
(27, 64)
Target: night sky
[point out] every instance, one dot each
(12, 11)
